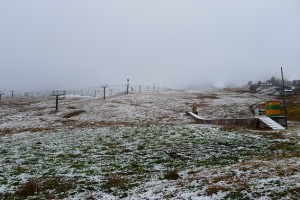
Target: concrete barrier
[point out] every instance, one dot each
(243, 122)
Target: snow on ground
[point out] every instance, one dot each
(143, 146)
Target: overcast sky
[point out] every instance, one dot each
(72, 44)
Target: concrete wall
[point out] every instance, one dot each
(242, 122)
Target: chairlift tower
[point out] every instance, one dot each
(12, 94)
(104, 86)
(127, 92)
(59, 95)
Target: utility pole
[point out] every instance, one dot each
(140, 88)
(12, 94)
(127, 86)
(104, 86)
(283, 93)
(56, 103)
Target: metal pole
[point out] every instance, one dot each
(128, 86)
(56, 103)
(283, 93)
(104, 92)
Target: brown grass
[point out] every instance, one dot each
(6, 131)
(13, 103)
(73, 114)
(171, 175)
(293, 111)
(28, 189)
(103, 124)
(45, 187)
(210, 96)
(115, 180)
(293, 107)
(224, 177)
(27, 129)
(36, 129)
(66, 121)
(214, 189)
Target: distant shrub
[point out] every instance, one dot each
(49, 188)
(172, 175)
(126, 150)
(58, 185)
(28, 189)
(140, 147)
(115, 181)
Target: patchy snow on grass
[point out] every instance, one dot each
(143, 146)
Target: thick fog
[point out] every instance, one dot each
(72, 44)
